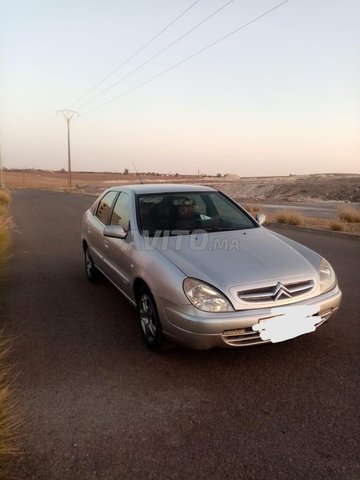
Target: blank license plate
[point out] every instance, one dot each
(288, 322)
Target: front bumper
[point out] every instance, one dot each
(192, 328)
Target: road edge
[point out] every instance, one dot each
(330, 233)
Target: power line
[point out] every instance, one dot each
(135, 53)
(45, 139)
(198, 52)
(192, 29)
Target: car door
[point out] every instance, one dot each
(95, 229)
(118, 252)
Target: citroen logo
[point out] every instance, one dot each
(280, 291)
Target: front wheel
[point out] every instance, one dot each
(149, 321)
(91, 271)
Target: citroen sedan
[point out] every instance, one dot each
(201, 271)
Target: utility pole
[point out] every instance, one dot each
(68, 115)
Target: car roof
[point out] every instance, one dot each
(163, 188)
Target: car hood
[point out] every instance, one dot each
(226, 259)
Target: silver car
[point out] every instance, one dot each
(201, 271)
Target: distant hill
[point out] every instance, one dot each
(335, 187)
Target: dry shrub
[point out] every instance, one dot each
(4, 198)
(349, 214)
(337, 226)
(290, 218)
(9, 418)
(313, 222)
(5, 226)
(316, 222)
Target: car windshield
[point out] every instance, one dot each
(182, 213)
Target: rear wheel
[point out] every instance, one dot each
(91, 271)
(149, 321)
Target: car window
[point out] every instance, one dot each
(224, 208)
(182, 213)
(231, 216)
(121, 212)
(104, 207)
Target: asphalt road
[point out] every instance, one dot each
(98, 405)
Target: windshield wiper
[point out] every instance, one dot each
(220, 229)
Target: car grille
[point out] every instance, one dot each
(242, 337)
(276, 292)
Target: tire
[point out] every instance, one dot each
(92, 272)
(150, 323)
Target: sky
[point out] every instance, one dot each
(281, 96)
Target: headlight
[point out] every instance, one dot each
(205, 297)
(327, 276)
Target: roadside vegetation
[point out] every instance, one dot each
(5, 224)
(337, 225)
(290, 217)
(347, 219)
(349, 215)
(9, 420)
(340, 224)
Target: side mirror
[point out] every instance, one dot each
(260, 218)
(115, 231)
